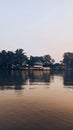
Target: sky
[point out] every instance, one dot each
(40, 27)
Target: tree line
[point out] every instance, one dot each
(9, 59)
(68, 60)
(19, 59)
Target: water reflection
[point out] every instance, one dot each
(68, 79)
(66, 76)
(12, 79)
(56, 74)
(42, 109)
(39, 77)
(17, 79)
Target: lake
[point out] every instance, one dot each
(36, 100)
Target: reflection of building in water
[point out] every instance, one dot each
(12, 79)
(39, 77)
(16, 79)
(68, 78)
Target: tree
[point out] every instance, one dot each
(46, 60)
(3, 59)
(9, 59)
(20, 58)
(68, 60)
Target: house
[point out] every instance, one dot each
(46, 68)
(38, 66)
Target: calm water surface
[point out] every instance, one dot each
(36, 100)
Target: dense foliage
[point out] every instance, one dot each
(68, 60)
(45, 60)
(9, 59)
(18, 59)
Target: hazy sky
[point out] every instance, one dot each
(38, 26)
